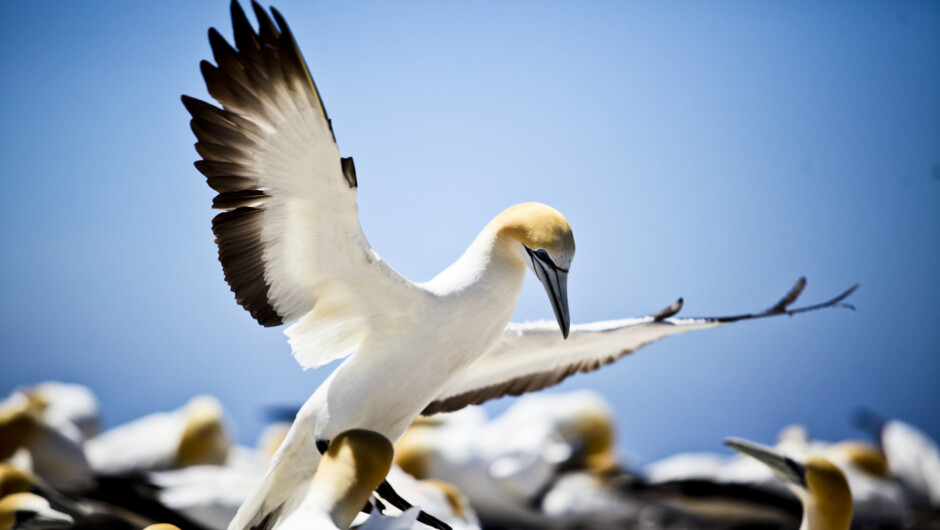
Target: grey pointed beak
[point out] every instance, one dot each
(555, 281)
(783, 466)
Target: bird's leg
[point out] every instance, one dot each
(386, 491)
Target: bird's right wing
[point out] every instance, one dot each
(532, 356)
(289, 237)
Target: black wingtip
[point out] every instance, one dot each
(790, 297)
(837, 301)
(669, 311)
(782, 307)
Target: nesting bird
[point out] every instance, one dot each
(817, 482)
(292, 250)
(193, 434)
(37, 433)
(506, 464)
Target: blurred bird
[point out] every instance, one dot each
(877, 495)
(194, 434)
(54, 445)
(30, 511)
(504, 465)
(208, 495)
(66, 404)
(292, 249)
(726, 490)
(817, 482)
(913, 459)
(40, 506)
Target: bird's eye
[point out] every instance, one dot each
(543, 255)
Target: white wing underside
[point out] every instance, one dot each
(289, 239)
(532, 356)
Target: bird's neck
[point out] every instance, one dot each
(826, 514)
(492, 264)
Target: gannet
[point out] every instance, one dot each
(292, 250)
(29, 500)
(55, 450)
(28, 510)
(504, 465)
(193, 434)
(817, 482)
(353, 466)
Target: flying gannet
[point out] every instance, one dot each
(292, 250)
(817, 482)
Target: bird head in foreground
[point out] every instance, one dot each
(355, 463)
(28, 510)
(547, 249)
(820, 485)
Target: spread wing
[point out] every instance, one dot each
(532, 356)
(289, 237)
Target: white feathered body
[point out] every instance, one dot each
(401, 365)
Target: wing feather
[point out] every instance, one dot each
(289, 233)
(533, 356)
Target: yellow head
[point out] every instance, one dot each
(547, 247)
(863, 456)
(355, 463)
(14, 480)
(204, 439)
(828, 489)
(20, 420)
(539, 227)
(819, 484)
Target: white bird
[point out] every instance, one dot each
(356, 463)
(54, 446)
(817, 482)
(67, 404)
(191, 435)
(208, 495)
(505, 464)
(28, 510)
(292, 250)
(915, 460)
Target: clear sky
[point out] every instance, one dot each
(716, 151)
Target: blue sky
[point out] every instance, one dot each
(715, 151)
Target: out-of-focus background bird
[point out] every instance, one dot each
(549, 461)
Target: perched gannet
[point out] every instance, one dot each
(208, 495)
(55, 450)
(26, 488)
(65, 404)
(503, 465)
(914, 459)
(354, 465)
(817, 482)
(292, 250)
(28, 510)
(191, 435)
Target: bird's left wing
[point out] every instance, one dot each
(532, 356)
